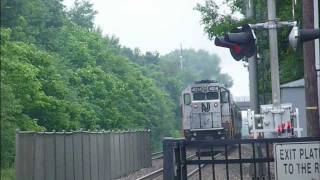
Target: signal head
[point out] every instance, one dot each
(235, 49)
(240, 41)
(293, 37)
(298, 36)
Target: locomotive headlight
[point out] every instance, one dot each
(215, 104)
(195, 106)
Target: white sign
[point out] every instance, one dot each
(297, 161)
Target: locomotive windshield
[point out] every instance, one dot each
(225, 96)
(199, 96)
(212, 95)
(187, 99)
(205, 96)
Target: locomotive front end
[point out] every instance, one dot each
(202, 111)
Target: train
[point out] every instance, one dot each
(209, 112)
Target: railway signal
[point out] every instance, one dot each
(298, 36)
(240, 41)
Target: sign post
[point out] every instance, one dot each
(297, 161)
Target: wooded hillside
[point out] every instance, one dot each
(60, 72)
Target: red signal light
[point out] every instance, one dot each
(236, 48)
(289, 125)
(240, 41)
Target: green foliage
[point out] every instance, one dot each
(60, 73)
(34, 21)
(215, 23)
(83, 14)
(197, 65)
(16, 95)
(291, 62)
(8, 174)
(165, 70)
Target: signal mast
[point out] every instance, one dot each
(274, 120)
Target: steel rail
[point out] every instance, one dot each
(157, 155)
(202, 166)
(151, 175)
(158, 172)
(195, 170)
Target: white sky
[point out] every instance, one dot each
(161, 25)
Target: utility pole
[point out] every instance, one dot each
(317, 47)
(181, 58)
(253, 85)
(253, 81)
(273, 45)
(310, 73)
(277, 118)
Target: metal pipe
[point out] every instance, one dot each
(274, 62)
(253, 81)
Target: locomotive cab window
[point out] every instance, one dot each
(187, 99)
(212, 95)
(225, 97)
(199, 96)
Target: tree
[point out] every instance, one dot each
(216, 23)
(197, 65)
(60, 73)
(83, 14)
(290, 62)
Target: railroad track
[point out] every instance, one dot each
(157, 155)
(201, 166)
(158, 172)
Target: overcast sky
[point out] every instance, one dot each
(161, 25)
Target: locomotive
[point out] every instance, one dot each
(208, 112)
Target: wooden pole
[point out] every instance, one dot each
(310, 74)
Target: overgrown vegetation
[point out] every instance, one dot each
(59, 72)
(8, 174)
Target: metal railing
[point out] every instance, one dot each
(261, 156)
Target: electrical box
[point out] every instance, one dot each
(273, 122)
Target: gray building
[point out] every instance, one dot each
(293, 92)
